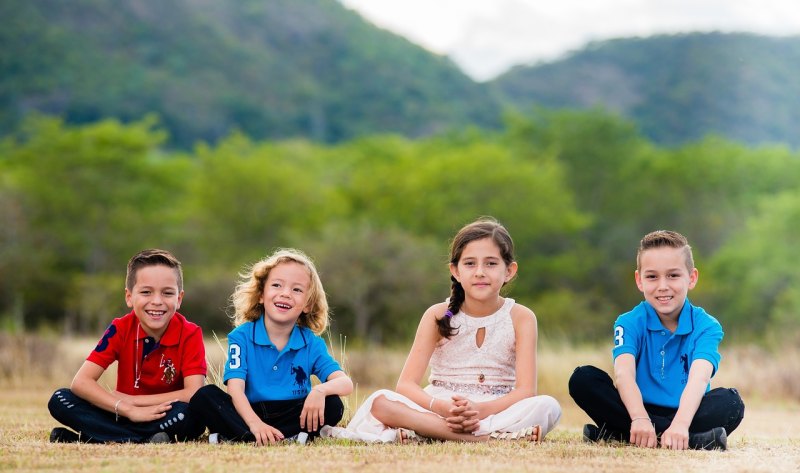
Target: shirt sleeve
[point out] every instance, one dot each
(236, 365)
(626, 336)
(194, 354)
(707, 345)
(108, 348)
(324, 364)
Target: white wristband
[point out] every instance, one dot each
(430, 406)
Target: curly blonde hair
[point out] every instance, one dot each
(246, 297)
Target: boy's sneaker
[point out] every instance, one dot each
(160, 437)
(713, 439)
(594, 434)
(216, 438)
(300, 438)
(63, 435)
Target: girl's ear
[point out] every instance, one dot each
(511, 271)
(454, 271)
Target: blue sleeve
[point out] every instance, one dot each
(236, 364)
(324, 364)
(627, 336)
(707, 345)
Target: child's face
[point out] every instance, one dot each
(155, 298)
(285, 293)
(665, 280)
(481, 270)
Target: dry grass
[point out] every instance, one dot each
(767, 440)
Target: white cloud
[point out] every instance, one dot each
(486, 37)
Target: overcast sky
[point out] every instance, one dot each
(486, 37)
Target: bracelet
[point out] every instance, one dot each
(116, 410)
(640, 418)
(430, 406)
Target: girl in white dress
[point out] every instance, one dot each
(481, 349)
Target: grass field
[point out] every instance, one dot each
(767, 441)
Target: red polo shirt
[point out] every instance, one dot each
(179, 353)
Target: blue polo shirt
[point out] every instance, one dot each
(272, 375)
(663, 358)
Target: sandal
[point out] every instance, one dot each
(409, 437)
(528, 434)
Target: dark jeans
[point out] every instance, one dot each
(216, 407)
(595, 393)
(96, 425)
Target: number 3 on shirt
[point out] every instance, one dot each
(618, 333)
(234, 353)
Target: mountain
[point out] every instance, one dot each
(677, 88)
(270, 68)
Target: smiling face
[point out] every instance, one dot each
(665, 280)
(285, 293)
(482, 271)
(154, 298)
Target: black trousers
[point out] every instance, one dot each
(216, 407)
(595, 393)
(96, 425)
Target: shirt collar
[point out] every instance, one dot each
(171, 337)
(684, 319)
(296, 338)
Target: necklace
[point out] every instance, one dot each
(137, 375)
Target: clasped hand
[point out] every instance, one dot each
(464, 415)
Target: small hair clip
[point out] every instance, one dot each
(448, 314)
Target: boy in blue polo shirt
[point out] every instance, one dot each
(280, 310)
(665, 353)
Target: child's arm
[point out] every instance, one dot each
(643, 434)
(190, 386)
(417, 362)
(85, 386)
(676, 436)
(264, 433)
(313, 414)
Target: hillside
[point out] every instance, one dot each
(271, 68)
(677, 88)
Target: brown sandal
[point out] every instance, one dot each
(528, 434)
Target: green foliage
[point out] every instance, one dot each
(271, 68)
(677, 88)
(576, 190)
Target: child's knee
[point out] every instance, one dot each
(583, 377)
(61, 400)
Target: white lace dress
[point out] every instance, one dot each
(459, 366)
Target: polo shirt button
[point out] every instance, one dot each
(275, 368)
(663, 333)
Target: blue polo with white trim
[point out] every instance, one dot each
(272, 375)
(663, 358)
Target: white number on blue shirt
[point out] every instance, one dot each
(618, 333)
(234, 353)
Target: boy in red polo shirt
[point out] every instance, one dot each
(161, 363)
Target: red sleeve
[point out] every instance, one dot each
(108, 348)
(194, 354)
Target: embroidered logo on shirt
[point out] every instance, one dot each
(103, 343)
(685, 361)
(169, 370)
(300, 376)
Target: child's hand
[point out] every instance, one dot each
(643, 434)
(676, 437)
(144, 413)
(313, 415)
(464, 415)
(264, 433)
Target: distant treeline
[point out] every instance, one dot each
(312, 69)
(576, 190)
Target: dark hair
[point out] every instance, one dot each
(152, 257)
(665, 238)
(484, 227)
